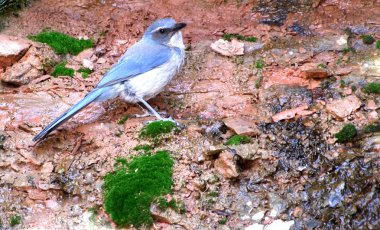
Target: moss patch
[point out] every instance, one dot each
(122, 120)
(259, 64)
(373, 128)
(173, 204)
(238, 139)
(378, 44)
(133, 186)
(61, 70)
(346, 133)
(368, 39)
(372, 87)
(228, 37)
(157, 128)
(85, 72)
(15, 220)
(62, 43)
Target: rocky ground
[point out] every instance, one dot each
(292, 90)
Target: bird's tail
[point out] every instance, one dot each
(90, 97)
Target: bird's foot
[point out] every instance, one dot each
(179, 125)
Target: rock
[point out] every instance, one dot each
(310, 70)
(226, 164)
(252, 47)
(341, 108)
(242, 126)
(47, 167)
(331, 43)
(215, 149)
(53, 205)
(37, 194)
(290, 113)
(278, 205)
(88, 64)
(226, 48)
(247, 151)
(279, 225)
(255, 227)
(168, 216)
(11, 50)
(37, 60)
(258, 216)
(371, 105)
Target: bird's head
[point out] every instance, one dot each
(165, 31)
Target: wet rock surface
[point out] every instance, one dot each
(291, 175)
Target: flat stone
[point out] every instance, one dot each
(279, 225)
(242, 126)
(11, 50)
(247, 151)
(341, 108)
(226, 48)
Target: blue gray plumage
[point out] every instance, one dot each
(140, 74)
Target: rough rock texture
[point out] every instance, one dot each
(38, 60)
(341, 108)
(226, 164)
(11, 50)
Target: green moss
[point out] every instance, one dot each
(373, 128)
(346, 133)
(372, 87)
(85, 72)
(238, 139)
(61, 70)
(259, 64)
(157, 128)
(223, 221)
(62, 43)
(15, 220)
(122, 120)
(213, 194)
(133, 186)
(173, 204)
(228, 37)
(321, 66)
(378, 44)
(342, 83)
(368, 39)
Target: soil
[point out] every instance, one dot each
(292, 170)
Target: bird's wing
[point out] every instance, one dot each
(138, 59)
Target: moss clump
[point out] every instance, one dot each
(133, 186)
(122, 120)
(378, 44)
(372, 128)
(15, 220)
(85, 72)
(346, 133)
(238, 139)
(173, 204)
(259, 64)
(157, 128)
(223, 221)
(62, 43)
(228, 37)
(372, 87)
(368, 39)
(61, 70)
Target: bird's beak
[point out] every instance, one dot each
(178, 26)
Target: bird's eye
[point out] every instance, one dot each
(162, 31)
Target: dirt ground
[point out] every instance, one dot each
(292, 173)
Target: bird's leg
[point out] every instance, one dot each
(143, 102)
(146, 112)
(150, 109)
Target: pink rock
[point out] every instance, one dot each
(226, 165)
(226, 48)
(341, 108)
(53, 205)
(47, 167)
(371, 105)
(310, 70)
(11, 50)
(290, 113)
(241, 126)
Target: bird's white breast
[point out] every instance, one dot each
(151, 83)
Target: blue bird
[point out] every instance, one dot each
(140, 74)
